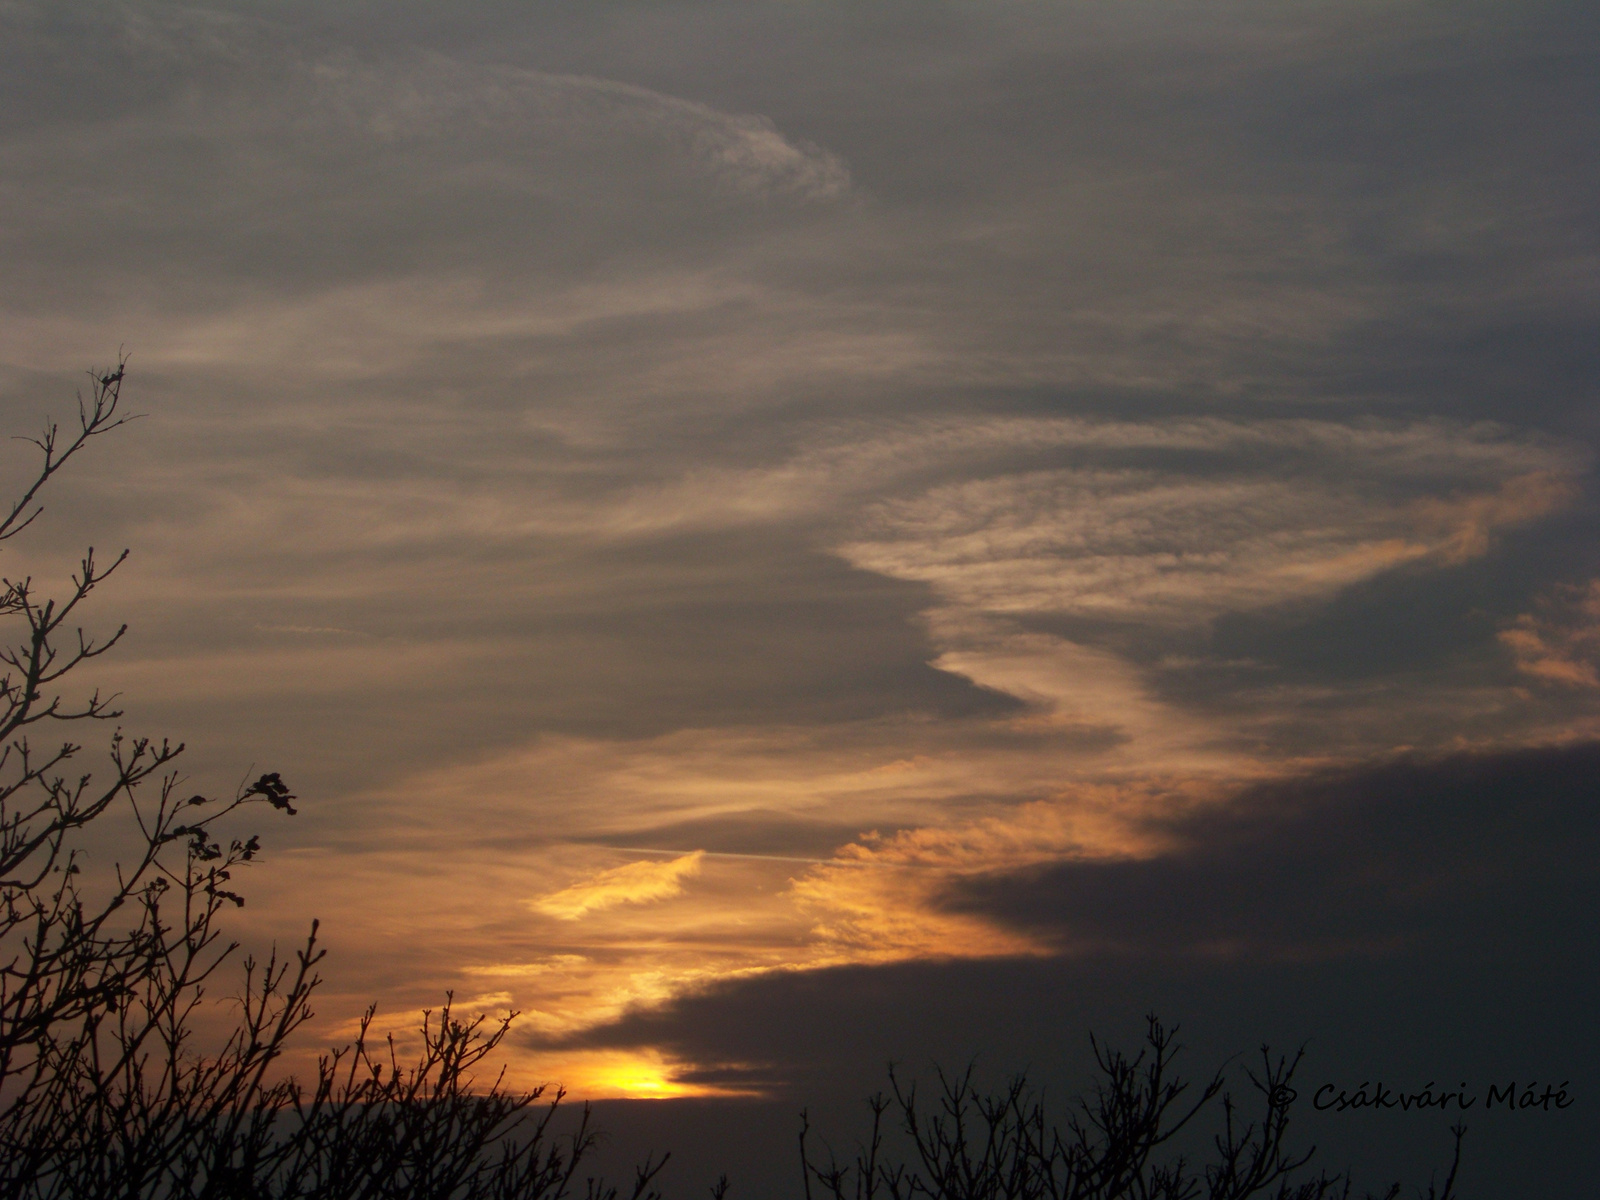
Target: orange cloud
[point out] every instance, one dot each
(1561, 643)
(635, 883)
(878, 900)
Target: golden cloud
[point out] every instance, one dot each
(878, 899)
(634, 883)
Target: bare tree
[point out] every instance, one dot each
(106, 1086)
(67, 961)
(968, 1145)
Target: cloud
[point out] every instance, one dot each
(554, 962)
(1235, 528)
(1374, 860)
(1560, 643)
(877, 900)
(287, 201)
(434, 97)
(1472, 521)
(1402, 919)
(635, 883)
(1434, 866)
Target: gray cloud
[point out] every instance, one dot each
(1462, 856)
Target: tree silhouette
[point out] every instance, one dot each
(968, 1145)
(107, 1087)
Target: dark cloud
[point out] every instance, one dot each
(1484, 863)
(1409, 628)
(1412, 920)
(1459, 857)
(828, 1036)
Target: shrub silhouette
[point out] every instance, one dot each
(967, 1145)
(107, 1086)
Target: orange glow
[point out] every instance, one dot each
(628, 1075)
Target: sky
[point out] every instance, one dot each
(775, 536)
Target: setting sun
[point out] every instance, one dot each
(628, 1076)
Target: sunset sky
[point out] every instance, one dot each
(771, 535)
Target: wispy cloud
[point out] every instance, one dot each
(1241, 529)
(1560, 642)
(635, 883)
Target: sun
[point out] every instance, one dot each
(641, 1081)
(628, 1075)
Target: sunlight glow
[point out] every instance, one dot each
(629, 1075)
